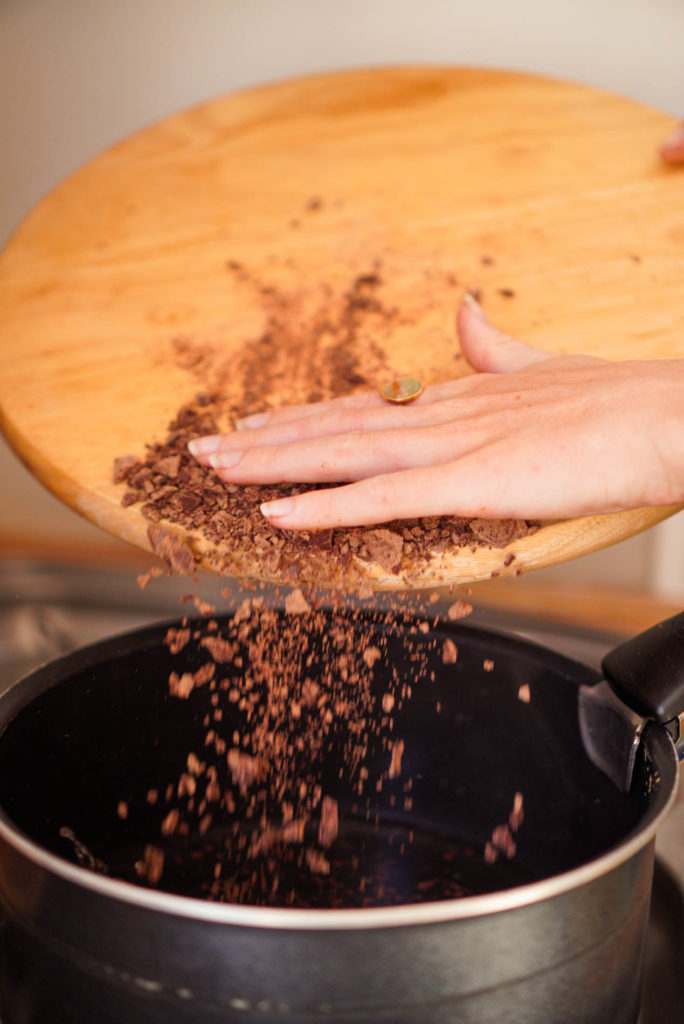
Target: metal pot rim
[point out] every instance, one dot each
(284, 919)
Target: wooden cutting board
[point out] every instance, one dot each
(175, 261)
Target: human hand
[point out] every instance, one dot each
(529, 436)
(672, 150)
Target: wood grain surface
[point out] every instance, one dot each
(194, 234)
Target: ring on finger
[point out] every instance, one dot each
(401, 390)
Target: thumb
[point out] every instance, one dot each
(488, 349)
(672, 150)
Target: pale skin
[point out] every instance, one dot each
(529, 435)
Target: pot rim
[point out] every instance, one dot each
(295, 919)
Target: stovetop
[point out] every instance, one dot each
(47, 609)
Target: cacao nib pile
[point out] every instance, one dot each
(173, 489)
(310, 349)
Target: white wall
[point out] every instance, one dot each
(75, 75)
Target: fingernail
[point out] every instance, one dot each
(277, 509)
(204, 445)
(224, 460)
(472, 302)
(253, 422)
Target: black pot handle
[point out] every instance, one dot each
(647, 672)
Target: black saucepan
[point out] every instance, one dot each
(509, 880)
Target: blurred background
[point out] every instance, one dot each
(77, 75)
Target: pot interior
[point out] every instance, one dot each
(492, 788)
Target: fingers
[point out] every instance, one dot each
(328, 421)
(352, 443)
(362, 436)
(405, 494)
(363, 400)
(346, 403)
(465, 400)
(672, 150)
(488, 349)
(485, 347)
(491, 351)
(380, 499)
(494, 482)
(355, 454)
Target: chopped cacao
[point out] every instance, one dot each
(395, 763)
(244, 769)
(449, 652)
(329, 824)
(151, 867)
(176, 639)
(222, 651)
(123, 467)
(175, 552)
(318, 862)
(296, 603)
(459, 610)
(499, 533)
(371, 654)
(386, 548)
(271, 714)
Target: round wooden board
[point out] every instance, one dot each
(547, 197)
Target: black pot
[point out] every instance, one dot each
(550, 935)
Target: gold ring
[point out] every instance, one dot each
(402, 390)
